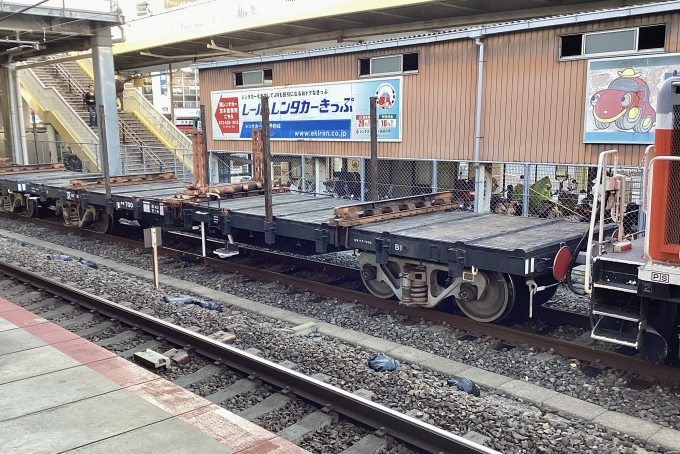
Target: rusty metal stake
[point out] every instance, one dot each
(268, 210)
(374, 148)
(206, 158)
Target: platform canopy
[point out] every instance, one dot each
(30, 28)
(214, 30)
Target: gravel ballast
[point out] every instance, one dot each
(407, 389)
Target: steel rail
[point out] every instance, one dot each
(422, 435)
(507, 334)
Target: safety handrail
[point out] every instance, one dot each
(599, 192)
(650, 186)
(649, 151)
(134, 101)
(48, 99)
(128, 133)
(173, 136)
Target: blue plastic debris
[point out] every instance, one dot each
(65, 258)
(383, 362)
(213, 306)
(465, 384)
(88, 263)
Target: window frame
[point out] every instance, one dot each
(261, 71)
(636, 51)
(393, 73)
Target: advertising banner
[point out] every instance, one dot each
(336, 111)
(621, 96)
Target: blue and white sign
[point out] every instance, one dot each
(335, 111)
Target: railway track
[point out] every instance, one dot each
(504, 333)
(113, 324)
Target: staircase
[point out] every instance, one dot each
(141, 151)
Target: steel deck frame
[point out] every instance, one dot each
(513, 245)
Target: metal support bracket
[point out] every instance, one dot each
(63, 197)
(456, 260)
(270, 232)
(169, 216)
(321, 239)
(3, 186)
(188, 217)
(85, 200)
(138, 210)
(110, 206)
(43, 194)
(225, 224)
(214, 218)
(382, 250)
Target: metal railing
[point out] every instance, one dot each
(134, 101)
(128, 133)
(133, 158)
(48, 100)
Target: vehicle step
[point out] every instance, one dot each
(617, 312)
(614, 337)
(616, 286)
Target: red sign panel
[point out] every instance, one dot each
(226, 115)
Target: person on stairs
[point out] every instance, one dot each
(120, 88)
(91, 104)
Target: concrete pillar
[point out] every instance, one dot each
(52, 143)
(20, 116)
(105, 93)
(17, 153)
(6, 117)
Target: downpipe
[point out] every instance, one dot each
(479, 169)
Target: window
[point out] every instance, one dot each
(392, 64)
(142, 9)
(252, 78)
(615, 42)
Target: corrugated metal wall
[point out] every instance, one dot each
(533, 104)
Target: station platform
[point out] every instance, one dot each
(61, 393)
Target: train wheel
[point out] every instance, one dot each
(373, 284)
(495, 303)
(32, 207)
(104, 222)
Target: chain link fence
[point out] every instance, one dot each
(512, 189)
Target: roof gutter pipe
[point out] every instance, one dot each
(479, 169)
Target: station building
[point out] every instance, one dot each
(553, 90)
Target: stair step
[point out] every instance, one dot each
(619, 313)
(614, 337)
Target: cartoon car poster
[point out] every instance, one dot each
(621, 96)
